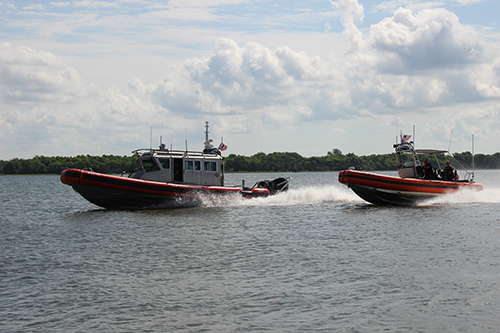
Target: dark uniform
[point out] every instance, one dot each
(448, 172)
(428, 173)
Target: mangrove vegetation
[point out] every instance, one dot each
(334, 160)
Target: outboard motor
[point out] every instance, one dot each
(274, 186)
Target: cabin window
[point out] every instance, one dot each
(210, 166)
(165, 163)
(188, 165)
(197, 165)
(149, 164)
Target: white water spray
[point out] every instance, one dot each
(490, 195)
(313, 195)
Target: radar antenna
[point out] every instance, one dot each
(208, 142)
(206, 131)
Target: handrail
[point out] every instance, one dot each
(168, 151)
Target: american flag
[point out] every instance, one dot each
(222, 147)
(406, 137)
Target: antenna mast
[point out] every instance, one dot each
(473, 157)
(449, 145)
(151, 139)
(206, 131)
(161, 135)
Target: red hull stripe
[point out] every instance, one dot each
(75, 176)
(402, 184)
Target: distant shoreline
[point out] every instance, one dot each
(260, 162)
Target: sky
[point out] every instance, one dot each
(107, 77)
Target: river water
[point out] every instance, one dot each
(317, 258)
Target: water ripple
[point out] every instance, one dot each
(314, 259)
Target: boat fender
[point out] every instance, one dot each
(260, 190)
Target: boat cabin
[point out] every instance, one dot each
(183, 167)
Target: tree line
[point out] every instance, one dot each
(55, 165)
(334, 160)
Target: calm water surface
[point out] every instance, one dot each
(314, 259)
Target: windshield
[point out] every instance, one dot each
(405, 160)
(149, 164)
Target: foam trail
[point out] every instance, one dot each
(491, 195)
(301, 196)
(321, 194)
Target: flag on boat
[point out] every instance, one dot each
(406, 137)
(222, 147)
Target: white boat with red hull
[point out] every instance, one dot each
(412, 186)
(167, 179)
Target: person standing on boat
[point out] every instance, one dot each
(209, 148)
(448, 172)
(428, 173)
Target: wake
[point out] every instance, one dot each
(302, 196)
(489, 196)
(316, 195)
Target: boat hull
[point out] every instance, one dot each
(114, 192)
(396, 191)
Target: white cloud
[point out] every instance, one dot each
(182, 14)
(420, 66)
(468, 2)
(45, 104)
(421, 60)
(204, 3)
(427, 40)
(94, 4)
(251, 79)
(60, 4)
(29, 75)
(34, 7)
(8, 5)
(351, 10)
(413, 5)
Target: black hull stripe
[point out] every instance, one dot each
(377, 197)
